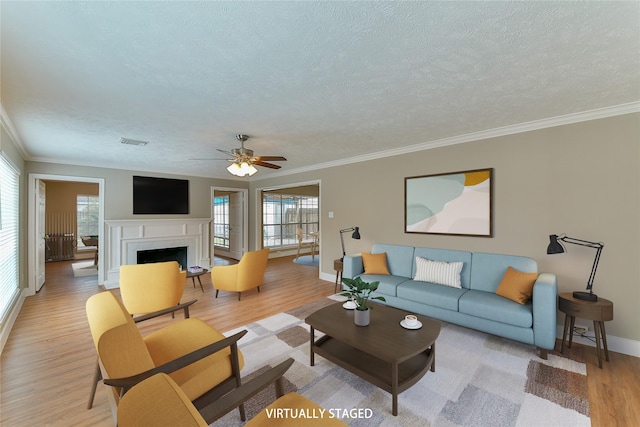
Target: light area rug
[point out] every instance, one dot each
(306, 260)
(480, 380)
(84, 268)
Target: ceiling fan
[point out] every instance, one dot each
(243, 160)
(245, 155)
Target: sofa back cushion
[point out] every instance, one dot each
(446, 255)
(487, 269)
(399, 258)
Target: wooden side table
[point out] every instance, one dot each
(195, 276)
(599, 311)
(337, 266)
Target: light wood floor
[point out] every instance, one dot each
(48, 361)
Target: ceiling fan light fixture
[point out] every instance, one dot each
(234, 169)
(242, 169)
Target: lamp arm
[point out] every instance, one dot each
(593, 269)
(574, 241)
(598, 246)
(344, 230)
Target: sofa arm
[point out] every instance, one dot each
(545, 302)
(352, 266)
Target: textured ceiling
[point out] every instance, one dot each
(317, 82)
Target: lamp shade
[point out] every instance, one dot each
(554, 246)
(356, 233)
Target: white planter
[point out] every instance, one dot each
(361, 318)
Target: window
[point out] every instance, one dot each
(283, 214)
(87, 218)
(221, 221)
(9, 214)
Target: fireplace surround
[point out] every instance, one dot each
(124, 238)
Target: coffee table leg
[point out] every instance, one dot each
(394, 388)
(311, 361)
(433, 361)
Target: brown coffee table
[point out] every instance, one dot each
(383, 353)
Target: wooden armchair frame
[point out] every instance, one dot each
(212, 395)
(97, 375)
(158, 400)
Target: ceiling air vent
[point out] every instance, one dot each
(132, 142)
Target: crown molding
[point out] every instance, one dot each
(6, 123)
(600, 113)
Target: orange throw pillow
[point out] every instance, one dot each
(375, 263)
(517, 285)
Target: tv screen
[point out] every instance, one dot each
(160, 195)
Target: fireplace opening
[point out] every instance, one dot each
(178, 254)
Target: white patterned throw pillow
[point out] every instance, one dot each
(440, 272)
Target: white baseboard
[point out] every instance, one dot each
(6, 327)
(617, 344)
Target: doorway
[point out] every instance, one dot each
(229, 219)
(283, 210)
(36, 230)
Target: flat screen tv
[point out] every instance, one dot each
(160, 195)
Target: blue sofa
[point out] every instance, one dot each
(475, 305)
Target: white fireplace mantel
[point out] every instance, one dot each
(124, 238)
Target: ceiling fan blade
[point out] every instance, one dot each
(266, 165)
(271, 158)
(228, 153)
(211, 158)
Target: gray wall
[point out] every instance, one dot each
(581, 179)
(118, 197)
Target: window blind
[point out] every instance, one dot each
(9, 223)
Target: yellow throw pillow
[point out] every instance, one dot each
(517, 285)
(375, 263)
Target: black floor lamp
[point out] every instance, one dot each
(556, 248)
(355, 235)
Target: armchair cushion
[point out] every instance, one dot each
(151, 287)
(181, 338)
(158, 401)
(294, 401)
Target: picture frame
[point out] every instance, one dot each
(453, 203)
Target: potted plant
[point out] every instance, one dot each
(360, 292)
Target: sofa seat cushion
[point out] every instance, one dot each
(387, 284)
(431, 294)
(490, 306)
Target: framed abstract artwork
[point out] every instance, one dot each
(458, 203)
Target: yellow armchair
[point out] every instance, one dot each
(240, 277)
(145, 288)
(148, 290)
(203, 362)
(158, 402)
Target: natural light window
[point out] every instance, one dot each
(88, 213)
(283, 214)
(9, 224)
(221, 221)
